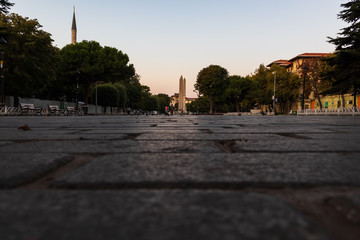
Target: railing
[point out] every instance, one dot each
(349, 111)
(9, 111)
(13, 111)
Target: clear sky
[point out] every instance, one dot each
(169, 38)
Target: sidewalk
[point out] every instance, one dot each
(180, 177)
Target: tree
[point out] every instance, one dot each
(164, 101)
(134, 92)
(200, 105)
(241, 91)
(31, 60)
(107, 95)
(287, 86)
(116, 65)
(122, 95)
(5, 6)
(212, 82)
(346, 60)
(95, 63)
(150, 103)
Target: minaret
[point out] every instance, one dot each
(73, 29)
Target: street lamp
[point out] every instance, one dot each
(77, 89)
(303, 93)
(2, 43)
(274, 109)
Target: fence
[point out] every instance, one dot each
(12, 111)
(349, 111)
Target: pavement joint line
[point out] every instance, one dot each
(223, 186)
(43, 183)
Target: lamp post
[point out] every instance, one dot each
(274, 109)
(2, 43)
(77, 89)
(96, 97)
(303, 93)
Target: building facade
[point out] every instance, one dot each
(296, 65)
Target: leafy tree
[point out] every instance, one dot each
(346, 60)
(85, 57)
(241, 91)
(107, 95)
(134, 92)
(31, 60)
(266, 88)
(95, 63)
(200, 105)
(116, 65)
(150, 103)
(164, 101)
(211, 82)
(122, 95)
(287, 86)
(5, 6)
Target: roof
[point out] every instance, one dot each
(310, 55)
(282, 63)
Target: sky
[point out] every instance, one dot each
(165, 39)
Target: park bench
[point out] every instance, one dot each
(72, 111)
(55, 110)
(29, 109)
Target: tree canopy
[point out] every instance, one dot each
(211, 82)
(5, 6)
(242, 91)
(286, 86)
(346, 60)
(95, 63)
(30, 59)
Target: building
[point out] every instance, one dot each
(73, 29)
(174, 100)
(295, 65)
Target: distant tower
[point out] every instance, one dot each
(73, 29)
(182, 95)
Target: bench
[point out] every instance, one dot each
(72, 111)
(55, 110)
(29, 109)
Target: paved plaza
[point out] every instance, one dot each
(180, 177)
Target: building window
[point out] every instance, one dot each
(350, 102)
(326, 104)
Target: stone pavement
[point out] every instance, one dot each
(180, 177)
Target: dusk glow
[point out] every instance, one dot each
(166, 38)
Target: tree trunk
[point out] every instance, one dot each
(86, 93)
(237, 107)
(317, 95)
(16, 101)
(211, 105)
(343, 100)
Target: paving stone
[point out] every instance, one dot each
(109, 146)
(151, 215)
(20, 168)
(215, 171)
(296, 144)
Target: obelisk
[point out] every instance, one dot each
(182, 95)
